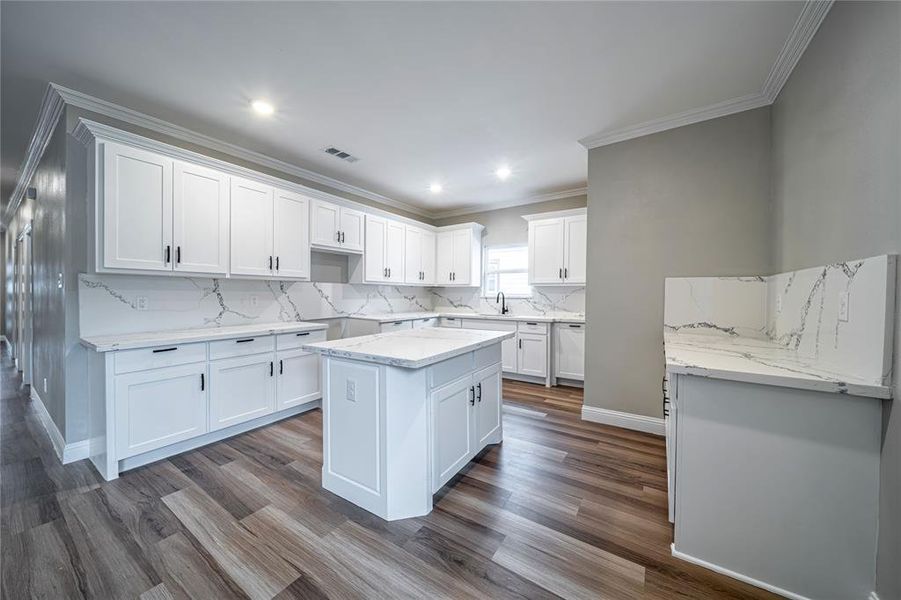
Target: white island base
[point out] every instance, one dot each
(393, 435)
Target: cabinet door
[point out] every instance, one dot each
(159, 407)
(488, 406)
(394, 251)
(569, 351)
(137, 209)
(251, 228)
(452, 429)
(463, 257)
(374, 257)
(324, 224)
(508, 355)
(444, 258)
(241, 389)
(413, 255)
(575, 249)
(532, 354)
(291, 235)
(546, 251)
(351, 229)
(427, 258)
(200, 219)
(298, 378)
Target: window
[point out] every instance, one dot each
(506, 270)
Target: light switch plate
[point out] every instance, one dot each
(843, 307)
(351, 390)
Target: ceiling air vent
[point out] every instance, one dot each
(345, 156)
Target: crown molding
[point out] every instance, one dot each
(52, 106)
(122, 113)
(480, 208)
(806, 25)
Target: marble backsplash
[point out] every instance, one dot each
(801, 310)
(545, 301)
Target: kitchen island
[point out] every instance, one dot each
(404, 411)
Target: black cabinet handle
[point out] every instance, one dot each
(168, 254)
(276, 263)
(565, 272)
(178, 254)
(338, 236)
(342, 237)
(472, 398)
(561, 273)
(281, 367)
(528, 323)
(271, 368)
(575, 326)
(384, 271)
(479, 387)
(520, 342)
(303, 333)
(158, 350)
(202, 382)
(270, 263)
(398, 322)
(244, 341)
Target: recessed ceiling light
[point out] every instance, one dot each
(261, 107)
(435, 188)
(503, 172)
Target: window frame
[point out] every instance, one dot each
(482, 287)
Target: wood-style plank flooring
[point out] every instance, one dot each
(563, 508)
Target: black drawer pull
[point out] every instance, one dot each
(244, 341)
(576, 326)
(398, 322)
(303, 333)
(202, 382)
(158, 350)
(527, 323)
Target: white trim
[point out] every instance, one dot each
(116, 111)
(480, 208)
(623, 419)
(66, 453)
(724, 571)
(807, 24)
(809, 21)
(52, 106)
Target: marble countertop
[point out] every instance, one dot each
(128, 341)
(392, 317)
(411, 348)
(761, 361)
(409, 316)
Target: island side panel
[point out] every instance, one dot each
(767, 472)
(407, 442)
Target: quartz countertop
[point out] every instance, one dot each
(128, 341)
(392, 317)
(561, 317)
(752, 360)
(411, 348)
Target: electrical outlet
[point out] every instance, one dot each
(142, 302)
(45, 385)
(254, 300)
(843, 307)
(351, 390)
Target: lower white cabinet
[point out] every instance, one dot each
(531, 354)
(395, 326)
(425, 322)
(159, 407)
(241, 389)
(466, 415)
(298, 378)
(569, 351)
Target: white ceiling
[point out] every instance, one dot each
(420, 92)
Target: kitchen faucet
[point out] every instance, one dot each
(503, 302)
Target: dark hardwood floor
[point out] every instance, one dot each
(561, 508)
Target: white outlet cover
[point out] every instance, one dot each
(351, 390)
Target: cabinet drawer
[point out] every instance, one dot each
(489, 325)
(141, 359)
(449, 322)
(395, 326)
(485, 357)
(532, 327)
(427, 322)
(449, 370)
(288, 341)
(242, 346)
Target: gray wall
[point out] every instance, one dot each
(506, 225)
(837, 188)
(691, 201)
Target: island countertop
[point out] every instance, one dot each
(411, 348)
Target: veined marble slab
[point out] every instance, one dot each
(755, 360)
(392, 317)
(547, 302)
(129, 341)
(412, 348)
(411, 316)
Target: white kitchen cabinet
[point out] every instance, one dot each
(558, 247)
(531, 354)
(298, 378)
(508, 346)
(384, 256)
(488, 405)
(252, 213)
(395, 326)
(200, 219)
(425, 322)
(337, 228)
(291, 235)
(452, 426)
(137, 209)
(458, 257)
(241, 389)
(159, 407)
(419, 256)
(569, 351)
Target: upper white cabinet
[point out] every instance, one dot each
(137, 209)
(291, 235)
(419, 256)
(335, 227)
(200, 202)
(558, 246)
(384, 255)
(459, 256)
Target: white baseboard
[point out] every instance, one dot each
(623, 419)
(724, 571)
(65, 452)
